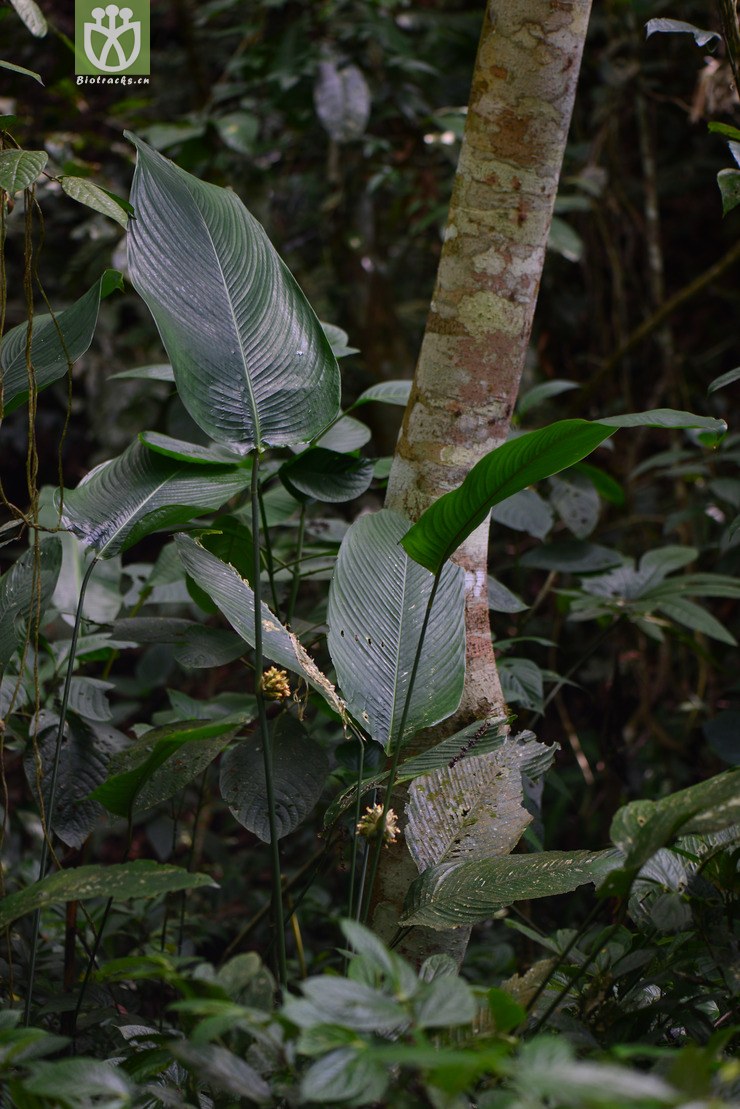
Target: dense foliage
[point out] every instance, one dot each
(216, 645)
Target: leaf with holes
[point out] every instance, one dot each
(463, 893)
(377, 605)
(474, 739)
(472, 810)
(252, 363)
(299, 768)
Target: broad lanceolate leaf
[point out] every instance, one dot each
(666, 417)
(235, 598)
(222, 1070)
(299, 768)
(139, 492)
(20, 168)
(723, 380)
(92, 196)
(55, 343)
(508, 469)
(377, 602)
(455, 894)
(252, 363)
(472, 810)
(142, 878)
(79, 1081)
(82, 766)
(515, 465)
(213, 454)
(25, 590)
(326, 475)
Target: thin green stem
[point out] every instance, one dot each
(294, 586)
(277, 890)
(355, 837)
(367, 894)
(49, 815)
(580, 971)
(561, 959)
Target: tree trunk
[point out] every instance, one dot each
(478, 330)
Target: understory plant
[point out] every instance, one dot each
(275, 654)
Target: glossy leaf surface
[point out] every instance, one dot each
(377, 603)
(235, 598)
(252, 363)
(140, 492)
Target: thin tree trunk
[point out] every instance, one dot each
(478, 329)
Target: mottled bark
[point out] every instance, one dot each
(479, 324)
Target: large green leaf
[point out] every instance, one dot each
(505, 471)
(142, 878)
(56, 342)
(24, 590)
(454, 894)
(252, 363)
(299, 768)
(516, 464)
(472, 810)
(235, 598)
(121, 501)
(82, 766)
(377, 603)
(136, 767)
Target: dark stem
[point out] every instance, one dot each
(49, 815)
(277, 891)
(355, 837)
